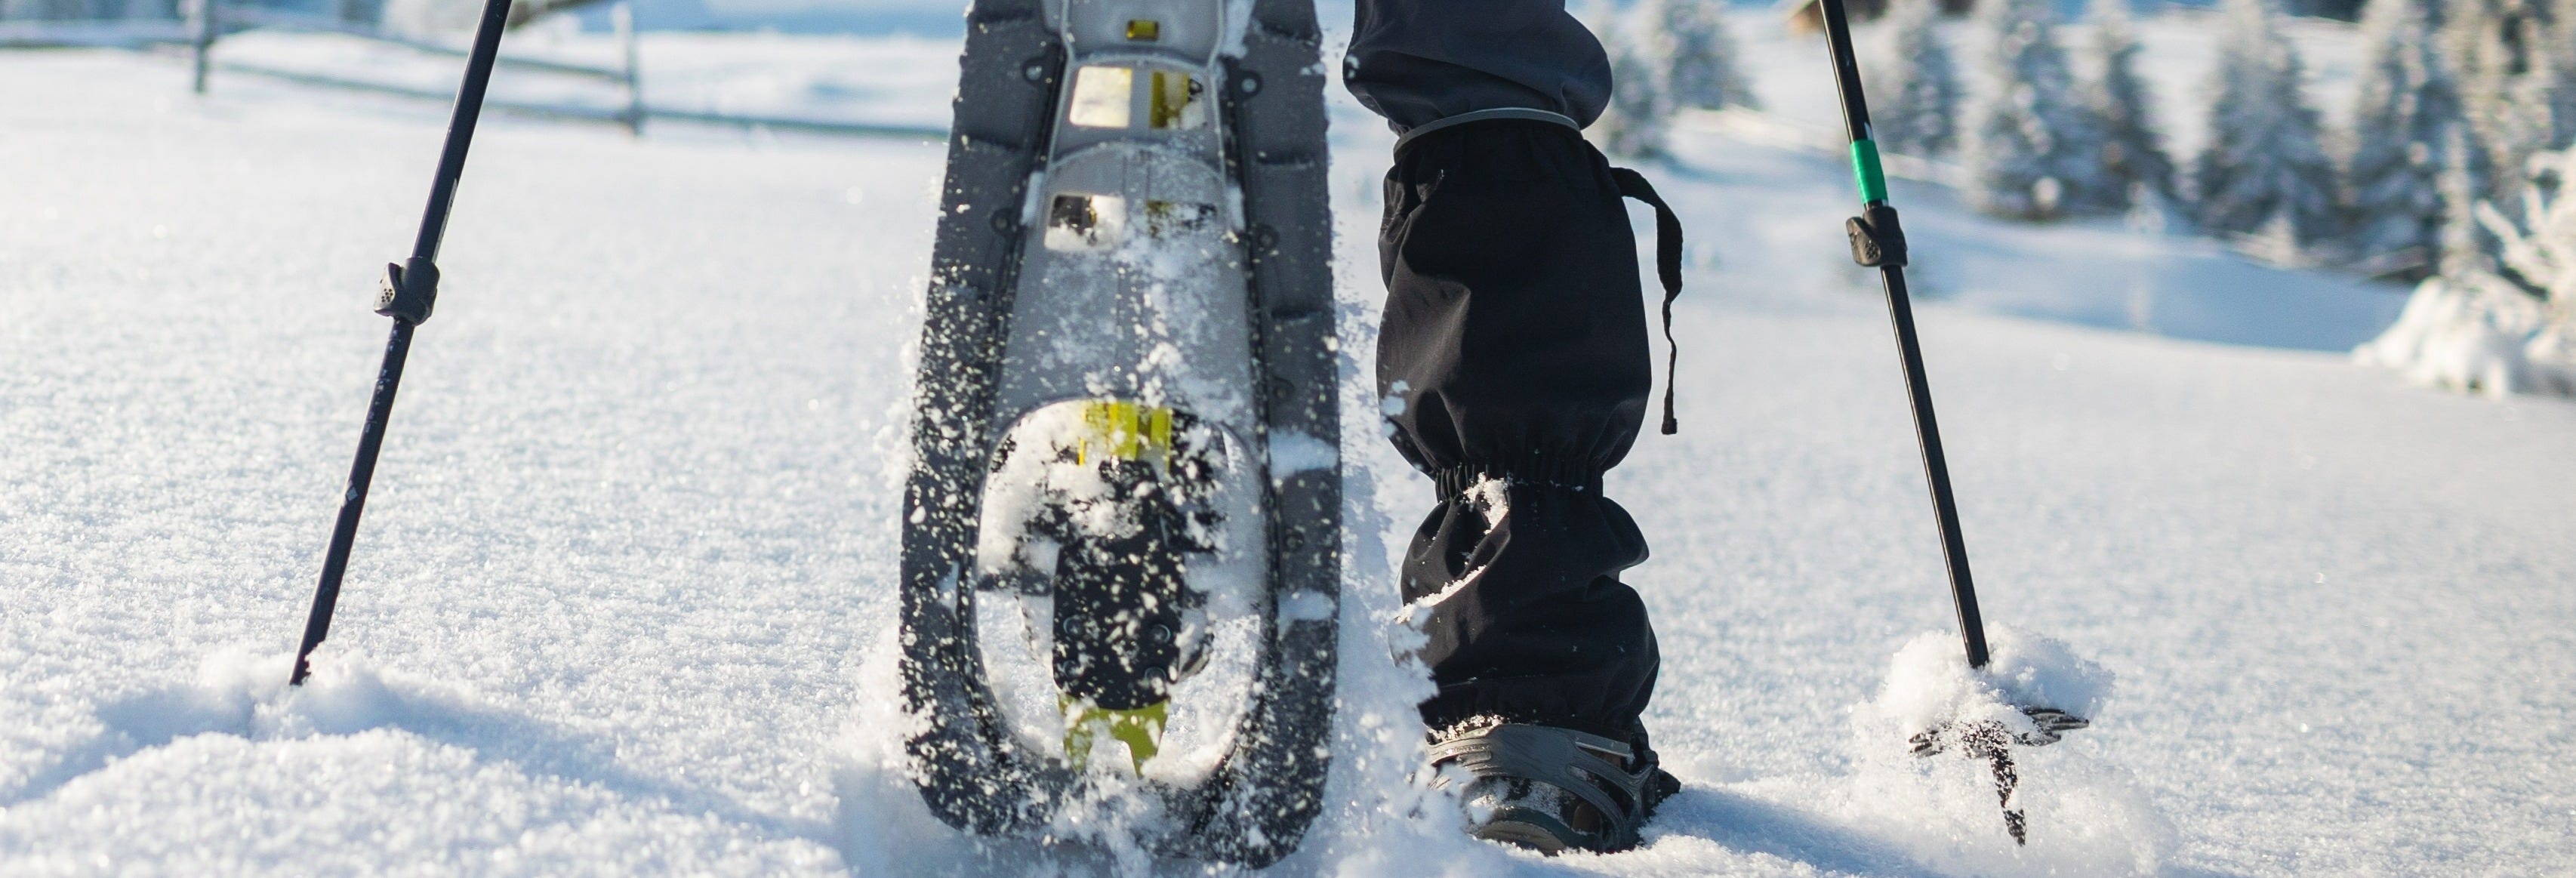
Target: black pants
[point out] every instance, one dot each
(1419, 61)
(1514, 355)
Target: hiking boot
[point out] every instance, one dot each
(1550, 789)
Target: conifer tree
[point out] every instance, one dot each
(2262, 165)
(2464, 248)
(2532, 119)
(2132, 154)
(1691, 48)
(2406, 121)
(2507, 63)
(2503, 324)
(2563, 100)
(2540, 252)
(1915, 93)
(2548, 92)
(1633, 125)
(2032, 150)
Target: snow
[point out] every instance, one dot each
(2465, 333)
(1293, 452)
(2473, 330)
(1930, 685)
(2089, 817)
(623, 603)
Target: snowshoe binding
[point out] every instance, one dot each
(1551, 789)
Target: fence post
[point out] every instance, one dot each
(203, 11)
(623, 16)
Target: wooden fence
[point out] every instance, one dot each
(199, 25)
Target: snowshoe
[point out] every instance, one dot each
(1121, 535)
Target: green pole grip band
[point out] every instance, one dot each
(1865, 169)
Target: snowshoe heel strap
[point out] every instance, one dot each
(1668, 268)
(1586, 766)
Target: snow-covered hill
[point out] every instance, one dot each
(623, 600)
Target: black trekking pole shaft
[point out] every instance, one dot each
(410, 290)
(460, 128)
(1886, 248)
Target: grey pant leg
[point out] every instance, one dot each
(1419, 61)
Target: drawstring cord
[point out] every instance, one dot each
(1668, 268)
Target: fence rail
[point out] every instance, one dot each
(210, 19)
(200, 25)
(116, 33)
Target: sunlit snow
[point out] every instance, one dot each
(624, 600)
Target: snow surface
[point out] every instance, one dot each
(623, 602)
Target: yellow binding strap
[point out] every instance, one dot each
(1141, 729)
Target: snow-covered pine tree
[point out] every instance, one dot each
(2463, 249)
(1633, 125)
(2404, 121)
(2501, 50)
(2472, 330)
(2262, 165)
(2538, 92)
(2541, 252)
(2541, 248)
(2032, 150)
(2133, 155)
(1690, 46)
(2563, 101)
(1914, 94)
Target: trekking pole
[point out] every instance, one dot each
(406, 295)
(1877, 241)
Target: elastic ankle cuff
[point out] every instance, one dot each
(1581, 478)
(1497, 113)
